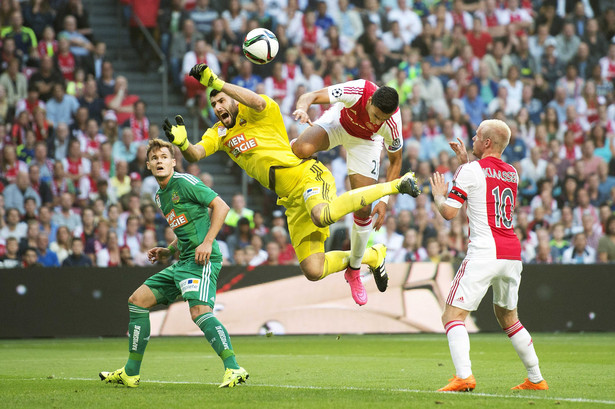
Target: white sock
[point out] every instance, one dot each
(523, 344)
(459, 344)
(359, 236)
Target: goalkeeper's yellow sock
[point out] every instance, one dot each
(354, 200)
(336, 261)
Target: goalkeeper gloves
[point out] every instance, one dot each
(203, 74)
(176, 134)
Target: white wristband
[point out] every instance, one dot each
(385, 199)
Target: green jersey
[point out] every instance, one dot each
(184, 202)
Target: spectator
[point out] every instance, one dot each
(60, 183)
(121, 102)
(46, 77)
(32, 231)
(14, 227)
(11, 166)
(411, 249)
(390, 237)
(61, 245)
(534, 167)
(76, 257)
(62, 107)
(558, 243)
(170, 22)
(203, 16)
(106, 82)
(241, 237)
(80, 46)
(431, 91)
(474, 104)
(589, 159)
(64, 215)
(579, 252)
(46, 257)
(75, 164)
(606, 244)
(552, 67)
(109, 256)
(131, 237)
(567, 43)
(119, 184)
(44, 219)
(182, 42)
(30, 258)
(38, 15)
(10, 259)
(25, 38)
(273, 252)
(48, 46)
(138, 122)
(126, 148)
(76, 9)
(149, 242)
(126, 258)
(94, 63)
(17, 192)
(239, 210)
(92, 101)
(287, 252)
(64, 59)
(246, 78)
(15, 83)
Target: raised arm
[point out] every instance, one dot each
(208, 78)
(177, 135)
(439, 188)
(303, 103)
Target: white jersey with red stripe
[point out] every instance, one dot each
(489, 185)
(353, 95)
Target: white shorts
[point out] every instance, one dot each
(476, 275)
(362, 155)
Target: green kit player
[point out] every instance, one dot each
(184, 200)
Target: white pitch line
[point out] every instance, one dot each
(352, 388)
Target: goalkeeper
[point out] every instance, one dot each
(251, 131)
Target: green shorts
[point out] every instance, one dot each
(195, 283)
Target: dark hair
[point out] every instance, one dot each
(213, 93)
(386, 99)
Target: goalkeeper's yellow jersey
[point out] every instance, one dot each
(257, 142)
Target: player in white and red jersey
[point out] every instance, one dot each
(489, 186)
(361, 118)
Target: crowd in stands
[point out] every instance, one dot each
(76, 191)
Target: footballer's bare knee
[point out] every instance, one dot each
(312, 267)
(143, 297)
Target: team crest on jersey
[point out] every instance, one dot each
(239, 144)
(158, 201)
(242, 122)
(337, 92)
(310, 192)
(175, 197)
(221, 131)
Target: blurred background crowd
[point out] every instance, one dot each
(75, 189)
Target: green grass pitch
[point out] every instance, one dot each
(370, 371)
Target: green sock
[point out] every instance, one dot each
(218, 338)
(138, 335)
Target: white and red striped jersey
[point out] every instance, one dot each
(489, 186)
(355, 119)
